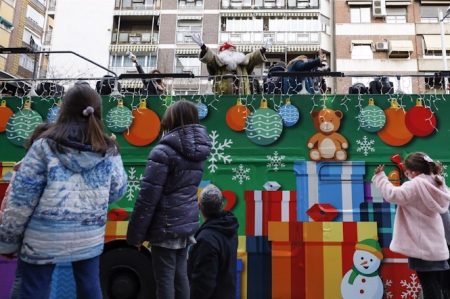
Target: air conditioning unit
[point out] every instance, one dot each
(382, 46)
(379, 8)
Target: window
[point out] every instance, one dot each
(362, 52)
(188, 63)
(360, 15)
(396, 15)
(121, 60)
(10, 2)
(190, 3)
(430, 13)
(186, 28)
(26, 62)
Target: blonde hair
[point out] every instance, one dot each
(303, 58)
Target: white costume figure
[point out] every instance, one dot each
(363, 281)
(231, 62)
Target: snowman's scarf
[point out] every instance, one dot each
(356, 272)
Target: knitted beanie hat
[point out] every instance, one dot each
(372, 246)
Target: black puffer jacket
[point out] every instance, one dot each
(166, 207)
(212, 261)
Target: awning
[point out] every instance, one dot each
(350, 3)
(6, 22)
(137, 12)
(132, 48)
(187, 51)
(435, 2)
(297, 48)
(433, 42)
(197, 18)
(288, 14)
(237, 14)
(362, 42)
(398, 47)
(397, 3)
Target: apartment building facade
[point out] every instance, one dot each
(393, 38)
(26, 23)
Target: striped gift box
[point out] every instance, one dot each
(309, 259)
(337, 183)
(265, 206)
(371, 194)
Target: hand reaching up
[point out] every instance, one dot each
(269, 43)
(379, 169)
(197, 39)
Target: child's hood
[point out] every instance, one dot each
(436, 198)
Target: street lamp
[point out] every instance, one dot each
(444, 50)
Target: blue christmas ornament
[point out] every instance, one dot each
(202, 109)
(53, 113)
(289, 114)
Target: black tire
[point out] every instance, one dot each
(126, 273)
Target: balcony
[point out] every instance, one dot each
(280, 37)
(48, 37)
(135, 38)
(268, 4)
(30, 23)
(129, 8)
(51, 9)
(38, 5)
(24, 73)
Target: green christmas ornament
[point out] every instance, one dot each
(372, 118)
(264, 126)
(22, 124)
(120, 118)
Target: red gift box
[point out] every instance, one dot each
(265, 206)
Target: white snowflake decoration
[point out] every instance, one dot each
(444, 173)
(134, 183)
(276, 161)
(241, 174)
(412, 288)
(387, 293)
(217, 151)
(365, 146)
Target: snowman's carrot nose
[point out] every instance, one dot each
(363, 263)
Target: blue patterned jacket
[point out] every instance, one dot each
(57, 208)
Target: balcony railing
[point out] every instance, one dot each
(269, 4)
(25, 73)
(184, 37)
(48, 37)
(39, 5)
(34, 26)
(52, 6)
(135, 38)
(130, 69)
(145, 5)
(280, 37)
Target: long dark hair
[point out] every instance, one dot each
(418, 162)
(74, 103)
(179, 114)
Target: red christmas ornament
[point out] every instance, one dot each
(236, 116)
(420, 120)
(145, 127)
(6, 113)
(395, 132)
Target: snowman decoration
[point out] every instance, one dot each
(363, 281)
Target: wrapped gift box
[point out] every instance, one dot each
(371, 194)
(399, 281)
(337, 183)
(383, 214)
(259, 267)
(5, 175)
(309, 259)
(264, 206)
